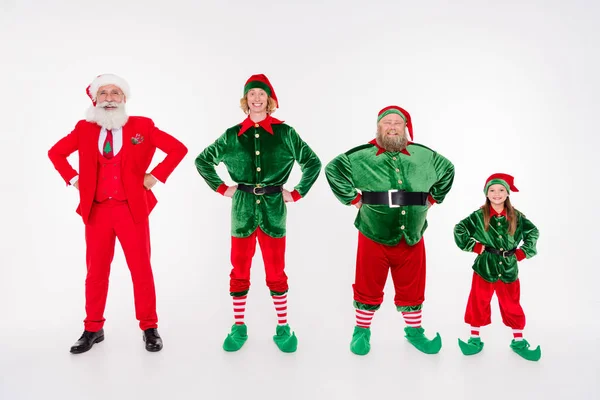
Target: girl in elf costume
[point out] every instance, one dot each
(259, 154)
(495, 232)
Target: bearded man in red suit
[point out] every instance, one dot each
(115, 151)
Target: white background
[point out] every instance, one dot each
(493, 86)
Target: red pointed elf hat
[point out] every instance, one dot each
(400, 111)
(503, 179)
(262, 82)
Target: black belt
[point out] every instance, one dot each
(395, 198)
(259, 191)
(503, 253)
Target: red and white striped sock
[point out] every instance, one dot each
(412, 319)
(239, 308)
(364, 318)
(518, 334)
(474, 331)
(280, 303)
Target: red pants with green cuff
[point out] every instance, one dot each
(478, 307)
(111, 220)
(373, 263)
(242, 252)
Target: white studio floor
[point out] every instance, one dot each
(194, 319)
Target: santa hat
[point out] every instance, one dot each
(107, 79)
(401, 112)
(260, 81)
(503, 179)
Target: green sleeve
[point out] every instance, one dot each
(463, 233)
(209, 159)
(310, 165)
(530, 237)
(444, 170)
(339, 177)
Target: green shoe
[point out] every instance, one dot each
(416, 337)
(521, 347)
(473, 346)
(236, 339)
(360, 341)
(286, 341)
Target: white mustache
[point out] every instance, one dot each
(108, 104)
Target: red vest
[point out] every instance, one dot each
(109, 184)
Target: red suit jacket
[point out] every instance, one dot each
(140, 140)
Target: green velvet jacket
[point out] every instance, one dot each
(492, 267)
(259, 154)
(371, 168)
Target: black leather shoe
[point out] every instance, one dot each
(86, 341)
(153, 340)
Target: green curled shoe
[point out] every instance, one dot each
(521, 347)
(417, 338)
(360, 344)
(286, 341)
(473, 346)
(236, 339)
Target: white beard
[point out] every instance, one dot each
(112, 119)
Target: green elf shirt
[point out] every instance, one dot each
(259, 154)
(470, 235)
(373, 169)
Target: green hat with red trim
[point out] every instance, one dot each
(401, 112)
(260, 81)
(503, 179)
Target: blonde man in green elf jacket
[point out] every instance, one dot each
(398, 181)
(259, 154)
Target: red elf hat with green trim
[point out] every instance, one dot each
(503, 179)
(260, 81)
(401, 112)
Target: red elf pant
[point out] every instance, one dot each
(478, 306)
(374, 261)
(273, 252)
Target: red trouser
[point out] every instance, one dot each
(110, 220)
(273, 252)
(478, 307)
(407, 264)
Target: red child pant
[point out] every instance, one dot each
(110, 220)
(478, 307)
(273, 252)
(374, 261)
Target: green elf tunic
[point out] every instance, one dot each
(259, 154)
(370, 168)
(469, 235)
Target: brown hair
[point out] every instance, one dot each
(271, 105)
(511, 213)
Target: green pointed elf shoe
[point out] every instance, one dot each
(236, 339)
(521, 347)
(417, 338)
(360, 344)
(473, 346)
(286, 341)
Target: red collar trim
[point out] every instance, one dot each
(493, 213)
(265, 124)
(382, 150)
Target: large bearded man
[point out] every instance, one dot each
(116, 199)
(393, 182)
